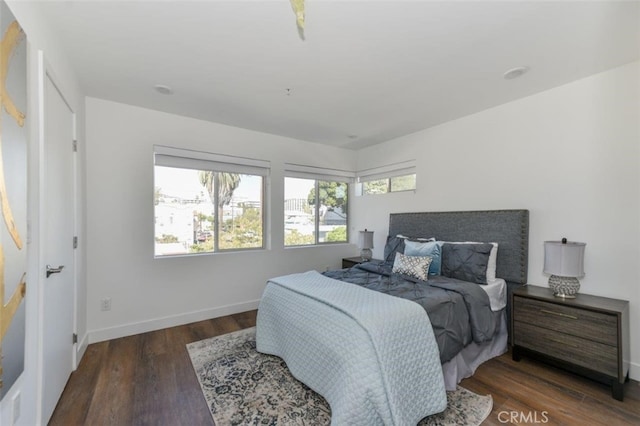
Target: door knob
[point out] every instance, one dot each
(51, 270)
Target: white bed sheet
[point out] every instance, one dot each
(469, 359)
(497, 292)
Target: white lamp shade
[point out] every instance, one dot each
(366, 239)
(564, 259)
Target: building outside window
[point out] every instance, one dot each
(206, 203)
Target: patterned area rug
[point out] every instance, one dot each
(242, 386)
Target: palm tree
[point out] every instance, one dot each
(206, 180)
(227, 184)
(157, 195)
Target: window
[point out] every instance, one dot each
(207, 202)
(393, 184)
(315, 205)
(393, 178)
(402, 183)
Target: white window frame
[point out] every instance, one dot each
(318, 174)
(181, 158)
(388, 172)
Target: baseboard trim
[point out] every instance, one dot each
(634, 371)
(130, 329)
(81, 348)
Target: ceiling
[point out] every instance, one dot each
(366, 72)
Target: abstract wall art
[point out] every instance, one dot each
(13, 197)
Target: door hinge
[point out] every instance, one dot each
(75, 146)
(75, 338)
(75, 242)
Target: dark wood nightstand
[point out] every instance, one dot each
(588, 335)
(348, 262)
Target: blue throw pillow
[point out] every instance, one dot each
(431, 249)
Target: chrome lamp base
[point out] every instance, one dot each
(566, 287)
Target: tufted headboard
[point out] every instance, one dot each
(508, 228)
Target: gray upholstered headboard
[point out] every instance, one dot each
(508, 228)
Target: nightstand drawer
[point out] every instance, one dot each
(596, 326)
(586, 353)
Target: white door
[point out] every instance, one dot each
(58, 224)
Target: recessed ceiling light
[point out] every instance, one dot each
(515, 73)
(165, 90)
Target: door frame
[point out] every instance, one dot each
(45, 72)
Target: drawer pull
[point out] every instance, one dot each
(560, 314)
(563, 343)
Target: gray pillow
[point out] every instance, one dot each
(466, 262)
(394, 245)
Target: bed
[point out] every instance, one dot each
(386, 360)
(460, 355)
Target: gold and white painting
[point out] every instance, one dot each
(13, 197)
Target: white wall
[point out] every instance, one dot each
(41, 38)
(569, 155)
(150, 293)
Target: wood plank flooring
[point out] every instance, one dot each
(148, 379)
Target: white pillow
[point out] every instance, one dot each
(416, 238)
(493, 257)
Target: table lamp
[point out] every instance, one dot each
(366, 244)
(564, 260)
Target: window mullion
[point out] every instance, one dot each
(216, 203)
(317, 206)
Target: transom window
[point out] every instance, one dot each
(392, 178)
(393, 184)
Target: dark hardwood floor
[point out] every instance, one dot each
(147, 379)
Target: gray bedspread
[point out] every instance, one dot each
(459, 311)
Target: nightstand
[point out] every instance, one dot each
(588, 335)
(348, 262)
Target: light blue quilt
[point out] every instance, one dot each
(373, 357)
